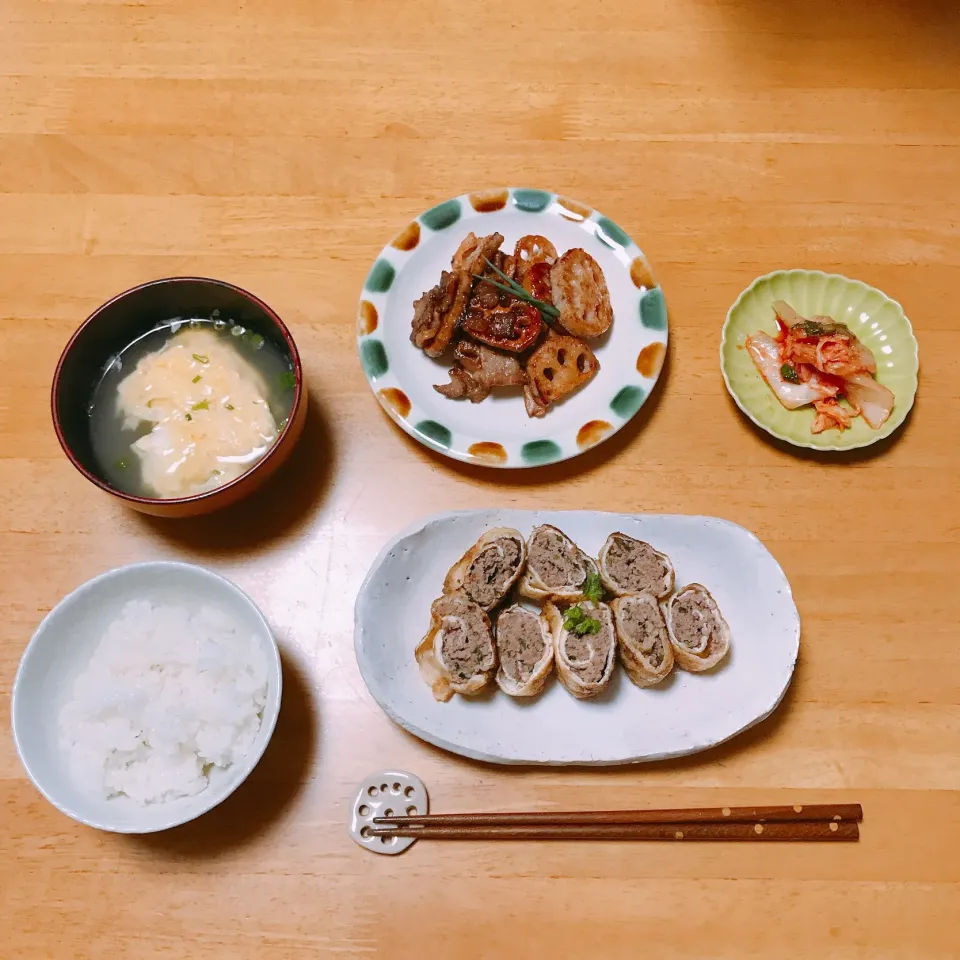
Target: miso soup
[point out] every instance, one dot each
(188, 407)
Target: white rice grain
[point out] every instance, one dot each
(169, 700)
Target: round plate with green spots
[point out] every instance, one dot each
(872, 316)
(497, 432)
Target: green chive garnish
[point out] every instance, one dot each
(197, 378)
(546, 309)
(201, 405)
(201, 359)
(288, 379)
(548, 312)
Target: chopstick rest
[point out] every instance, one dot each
(385, 794)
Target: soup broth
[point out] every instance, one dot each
(188, 407)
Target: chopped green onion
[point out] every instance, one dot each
(288, 379)
(201, 359)
(593, 587)
(577, 622)
(789, 373)
(188, 417)
(201, 405)
(229, 406)
(197, 378)
(256, 339)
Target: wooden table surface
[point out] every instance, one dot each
(279, 145)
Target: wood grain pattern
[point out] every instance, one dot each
(279, 147)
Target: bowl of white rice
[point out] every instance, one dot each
(146, 697)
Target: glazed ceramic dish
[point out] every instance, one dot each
(130, 314)
(498, 432)
(871, 315)
(62, 646)
(684, 714)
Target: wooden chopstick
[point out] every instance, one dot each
(819, 830)
(838, 812)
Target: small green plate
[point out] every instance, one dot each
(876, 319)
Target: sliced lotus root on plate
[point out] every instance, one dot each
(559, 366)
(580, 294)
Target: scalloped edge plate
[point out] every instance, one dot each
(497, 432)
(878, 320)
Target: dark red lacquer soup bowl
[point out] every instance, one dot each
(137, 314)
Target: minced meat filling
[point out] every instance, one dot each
(519, 642)
(466, 646)
(645, 629)
(556, 559)
(487, 577)
(635, 566)
(693, 621)
(588, 654)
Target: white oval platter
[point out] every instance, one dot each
(683, 715)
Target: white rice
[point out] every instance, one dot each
(170, 699)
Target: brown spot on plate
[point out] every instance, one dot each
(396, 400)
(489, 200)
(650, 359)
(592, 433)
(407, 238)
(367, 318)
(641, 274)
(489, 451)
(573, 210)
